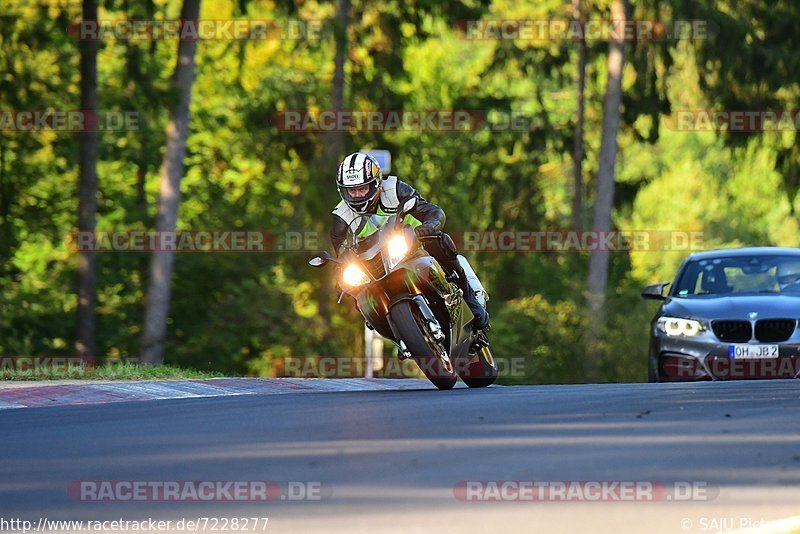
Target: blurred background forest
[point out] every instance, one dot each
(239, 313)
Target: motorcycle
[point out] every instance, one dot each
(407, 297)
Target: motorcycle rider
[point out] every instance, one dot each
(368, 200)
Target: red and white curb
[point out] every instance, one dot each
(37, 395)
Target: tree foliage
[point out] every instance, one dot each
(243, 312)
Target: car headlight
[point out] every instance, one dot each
(397, 249)
(353, 275)
(676, 326)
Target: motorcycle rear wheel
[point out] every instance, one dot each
(481, 370)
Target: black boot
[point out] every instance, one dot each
(479, 313)
(444, 250)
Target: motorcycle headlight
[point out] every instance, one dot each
(353, 275)
(397, 249)
(676, 326)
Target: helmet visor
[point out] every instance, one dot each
(359, 195)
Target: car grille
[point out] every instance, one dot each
(775, 329)
(375, 266)
(732, 331)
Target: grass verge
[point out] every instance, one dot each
(108, 371)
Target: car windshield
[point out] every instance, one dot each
(740, 274)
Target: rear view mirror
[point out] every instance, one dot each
(407, 207)
(320, 259)
(655, 291)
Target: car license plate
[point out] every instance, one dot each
(747, 351)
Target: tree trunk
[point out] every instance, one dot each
(169, 198)
(604, 198)
(5, 200)
(335, 141)
(577, 150)
(87, 195)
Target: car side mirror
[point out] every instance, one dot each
(655, 291)
(320, 259)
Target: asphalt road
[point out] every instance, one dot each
(388, 461)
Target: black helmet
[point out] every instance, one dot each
(359, 181)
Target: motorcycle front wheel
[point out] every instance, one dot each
(429, 353)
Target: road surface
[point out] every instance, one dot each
(388, 461)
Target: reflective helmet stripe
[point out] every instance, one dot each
(354, 159)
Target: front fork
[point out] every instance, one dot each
(430, 319)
